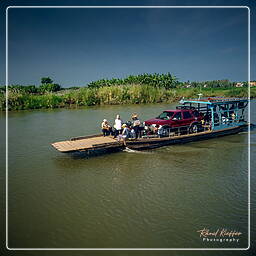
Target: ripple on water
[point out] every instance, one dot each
(155, 198)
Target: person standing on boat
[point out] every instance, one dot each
(136, 125)
(105, 127)
(118, 125)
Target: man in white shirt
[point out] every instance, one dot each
(118, 125)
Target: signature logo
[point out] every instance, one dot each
(219, 235)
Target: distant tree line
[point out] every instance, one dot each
(224, 83)
(46, 85)
(165, 81)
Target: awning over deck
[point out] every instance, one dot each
(214, 100)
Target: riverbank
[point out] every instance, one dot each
(112, 95)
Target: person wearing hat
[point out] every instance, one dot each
(105, 127)
(125, 134)
(136, 125)
(134, 117)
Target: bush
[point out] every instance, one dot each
(2, 88)
(46, 80)
(20, 88)
(30, 89)
(49, 88)
(166, 81)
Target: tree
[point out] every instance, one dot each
(49, 87)
(30, 89)
(46, 80)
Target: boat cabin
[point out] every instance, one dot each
(221, 112)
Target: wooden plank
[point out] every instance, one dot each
(86, 137)
(87, 143)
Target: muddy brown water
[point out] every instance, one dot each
(150, 199)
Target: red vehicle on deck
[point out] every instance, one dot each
(180, 117)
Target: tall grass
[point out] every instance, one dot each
(113, 95)
(166, 81)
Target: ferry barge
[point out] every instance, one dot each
(218, 117)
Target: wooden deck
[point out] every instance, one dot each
(85, 143)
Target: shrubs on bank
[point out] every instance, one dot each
(165, 81)
(49, 88)
(20, 88)
(43, 88)
(46, 86)
(113, 95)
(18, 101)
(145, 88)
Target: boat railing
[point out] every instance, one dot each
(186, 130)
(178, 131)
(227, 120)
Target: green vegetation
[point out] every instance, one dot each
(131, 90)
(46, 80)
(166, 81)
(49, 88)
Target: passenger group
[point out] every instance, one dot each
(130, 129)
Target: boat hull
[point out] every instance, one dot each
(143, 144)
(99, 144)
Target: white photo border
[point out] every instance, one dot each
(131, 249)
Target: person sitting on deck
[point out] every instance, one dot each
(233, 116)
(206, 119)
(145, 130)
(106, 128)
(125, 134)
(118, 126)
(160, 131)
(132, 134)
(148, 130)
(155, 129)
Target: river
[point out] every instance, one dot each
(151, 199)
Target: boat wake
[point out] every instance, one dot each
(135, 151)
(243, 132)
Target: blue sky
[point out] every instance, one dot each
(76, 46)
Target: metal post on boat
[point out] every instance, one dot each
(212, 114)
(228, 114)
(237, 113)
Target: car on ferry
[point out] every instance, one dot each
(186, 118)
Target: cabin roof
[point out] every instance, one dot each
(214, 100)
(175, 110)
